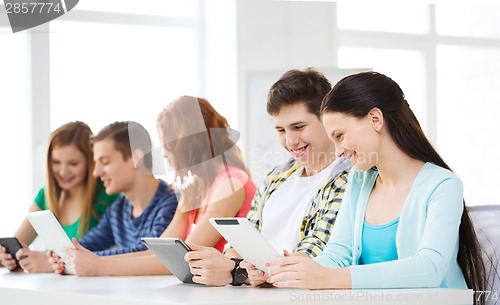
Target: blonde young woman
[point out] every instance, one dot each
(70, 192)
(211, 178)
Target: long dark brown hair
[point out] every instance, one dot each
(356, 95)
(195, 133)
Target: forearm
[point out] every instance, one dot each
(419, 271)
(26, 234)
(339, 277)
(231, 252)
(141, 265)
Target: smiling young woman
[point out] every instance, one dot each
(403, 221)
(71, 192)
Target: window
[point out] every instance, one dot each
(446, 59)
(372, 16)
(15, 130)
(480, 21)
(172, 8)
(396, 64)
(468, 117)
(102, 62)
(130, 72)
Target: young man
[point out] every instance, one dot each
(123, 163)
(296, 206)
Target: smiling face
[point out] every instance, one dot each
(69, 167)
(116, 173)
(302, 134)
(354, 138)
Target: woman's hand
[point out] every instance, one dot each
(33, 261)
(56, 263)
(7, 260)
(303, 272)
(256, 276)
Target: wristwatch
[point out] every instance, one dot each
(239, 274)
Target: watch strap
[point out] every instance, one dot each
(238, 273)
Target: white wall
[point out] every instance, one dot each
(273, 37)
(443, 56)
(128, 67)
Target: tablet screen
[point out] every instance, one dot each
(171, 252)
(52, 234)
(247, 240)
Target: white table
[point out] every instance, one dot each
(20, 288)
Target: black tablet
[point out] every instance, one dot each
(12, 245)
(171, 251)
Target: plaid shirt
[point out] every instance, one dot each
(317, 224)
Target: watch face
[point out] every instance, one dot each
(240, 276)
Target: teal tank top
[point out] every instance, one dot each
(378, 243)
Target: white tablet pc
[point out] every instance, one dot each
(247, 240)
(171, 251)
(52, 234)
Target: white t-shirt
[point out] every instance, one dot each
(283, 212)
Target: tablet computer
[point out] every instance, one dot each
(247, 240)
(171, 251)
(52, 234)
(11, 245)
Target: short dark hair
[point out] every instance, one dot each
(121, 134)
(296, 86)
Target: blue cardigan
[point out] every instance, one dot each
(426, 238)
